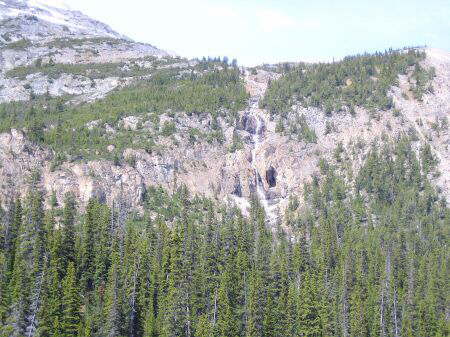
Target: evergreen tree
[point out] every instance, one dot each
(9, 247)
(68, 228)
(174, 313)
(71, 318)
(308, 306)
(51, 310)
(19, 292)
(226, 321)
(87, 256)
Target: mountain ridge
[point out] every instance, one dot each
(73, 20)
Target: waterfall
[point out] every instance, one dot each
(258, 139)
(257, 129)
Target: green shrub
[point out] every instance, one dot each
(168, 129)
(237, 143)
(302, 130)
(19, 45)
(194, 135)
(93, 70)
(58, 160)
(71, 43)
(131, 160)
(279, 128)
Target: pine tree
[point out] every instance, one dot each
(243, 270)
(89, 239)
(291, 311)
(308, 309)
(95, 247)
(204, 327)
(210, 263)
(226, 321)
(148, 282)
(19, 292)
(276, 314)
(270, 317)
(255, 307)
(38, 258)
(27, 279)
(68, 229)
(150, 322)
(11, 234)
(113, 304)
(174, 314)
(51, 310)
(71, 318)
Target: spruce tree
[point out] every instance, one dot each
(226, 320)
(19, 293)
(71, 318)
(308, 306)
(10, 242)
(68, 230)
(174, 312)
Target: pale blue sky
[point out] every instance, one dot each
(276, 30)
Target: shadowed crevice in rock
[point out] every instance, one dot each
(99, 194)
(271, 177)
(237, 189)
(248, 123)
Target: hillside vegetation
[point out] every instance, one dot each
(362, 80)
(207, 90)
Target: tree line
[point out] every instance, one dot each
(360, 80)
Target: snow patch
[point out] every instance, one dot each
(57, 12)
(49, 4)
(16, 12)
(50, 11)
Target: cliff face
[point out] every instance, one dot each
(251, 159)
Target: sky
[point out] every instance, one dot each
(272, 31)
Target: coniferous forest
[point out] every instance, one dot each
(365, 255)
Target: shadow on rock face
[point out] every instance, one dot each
(237, 190)
(99, 194)
(248, 123)
(271, 177)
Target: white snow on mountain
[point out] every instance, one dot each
(56, 12)
(49, 3)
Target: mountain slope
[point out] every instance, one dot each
(35, 20)
(37, 39)
(104, 116)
